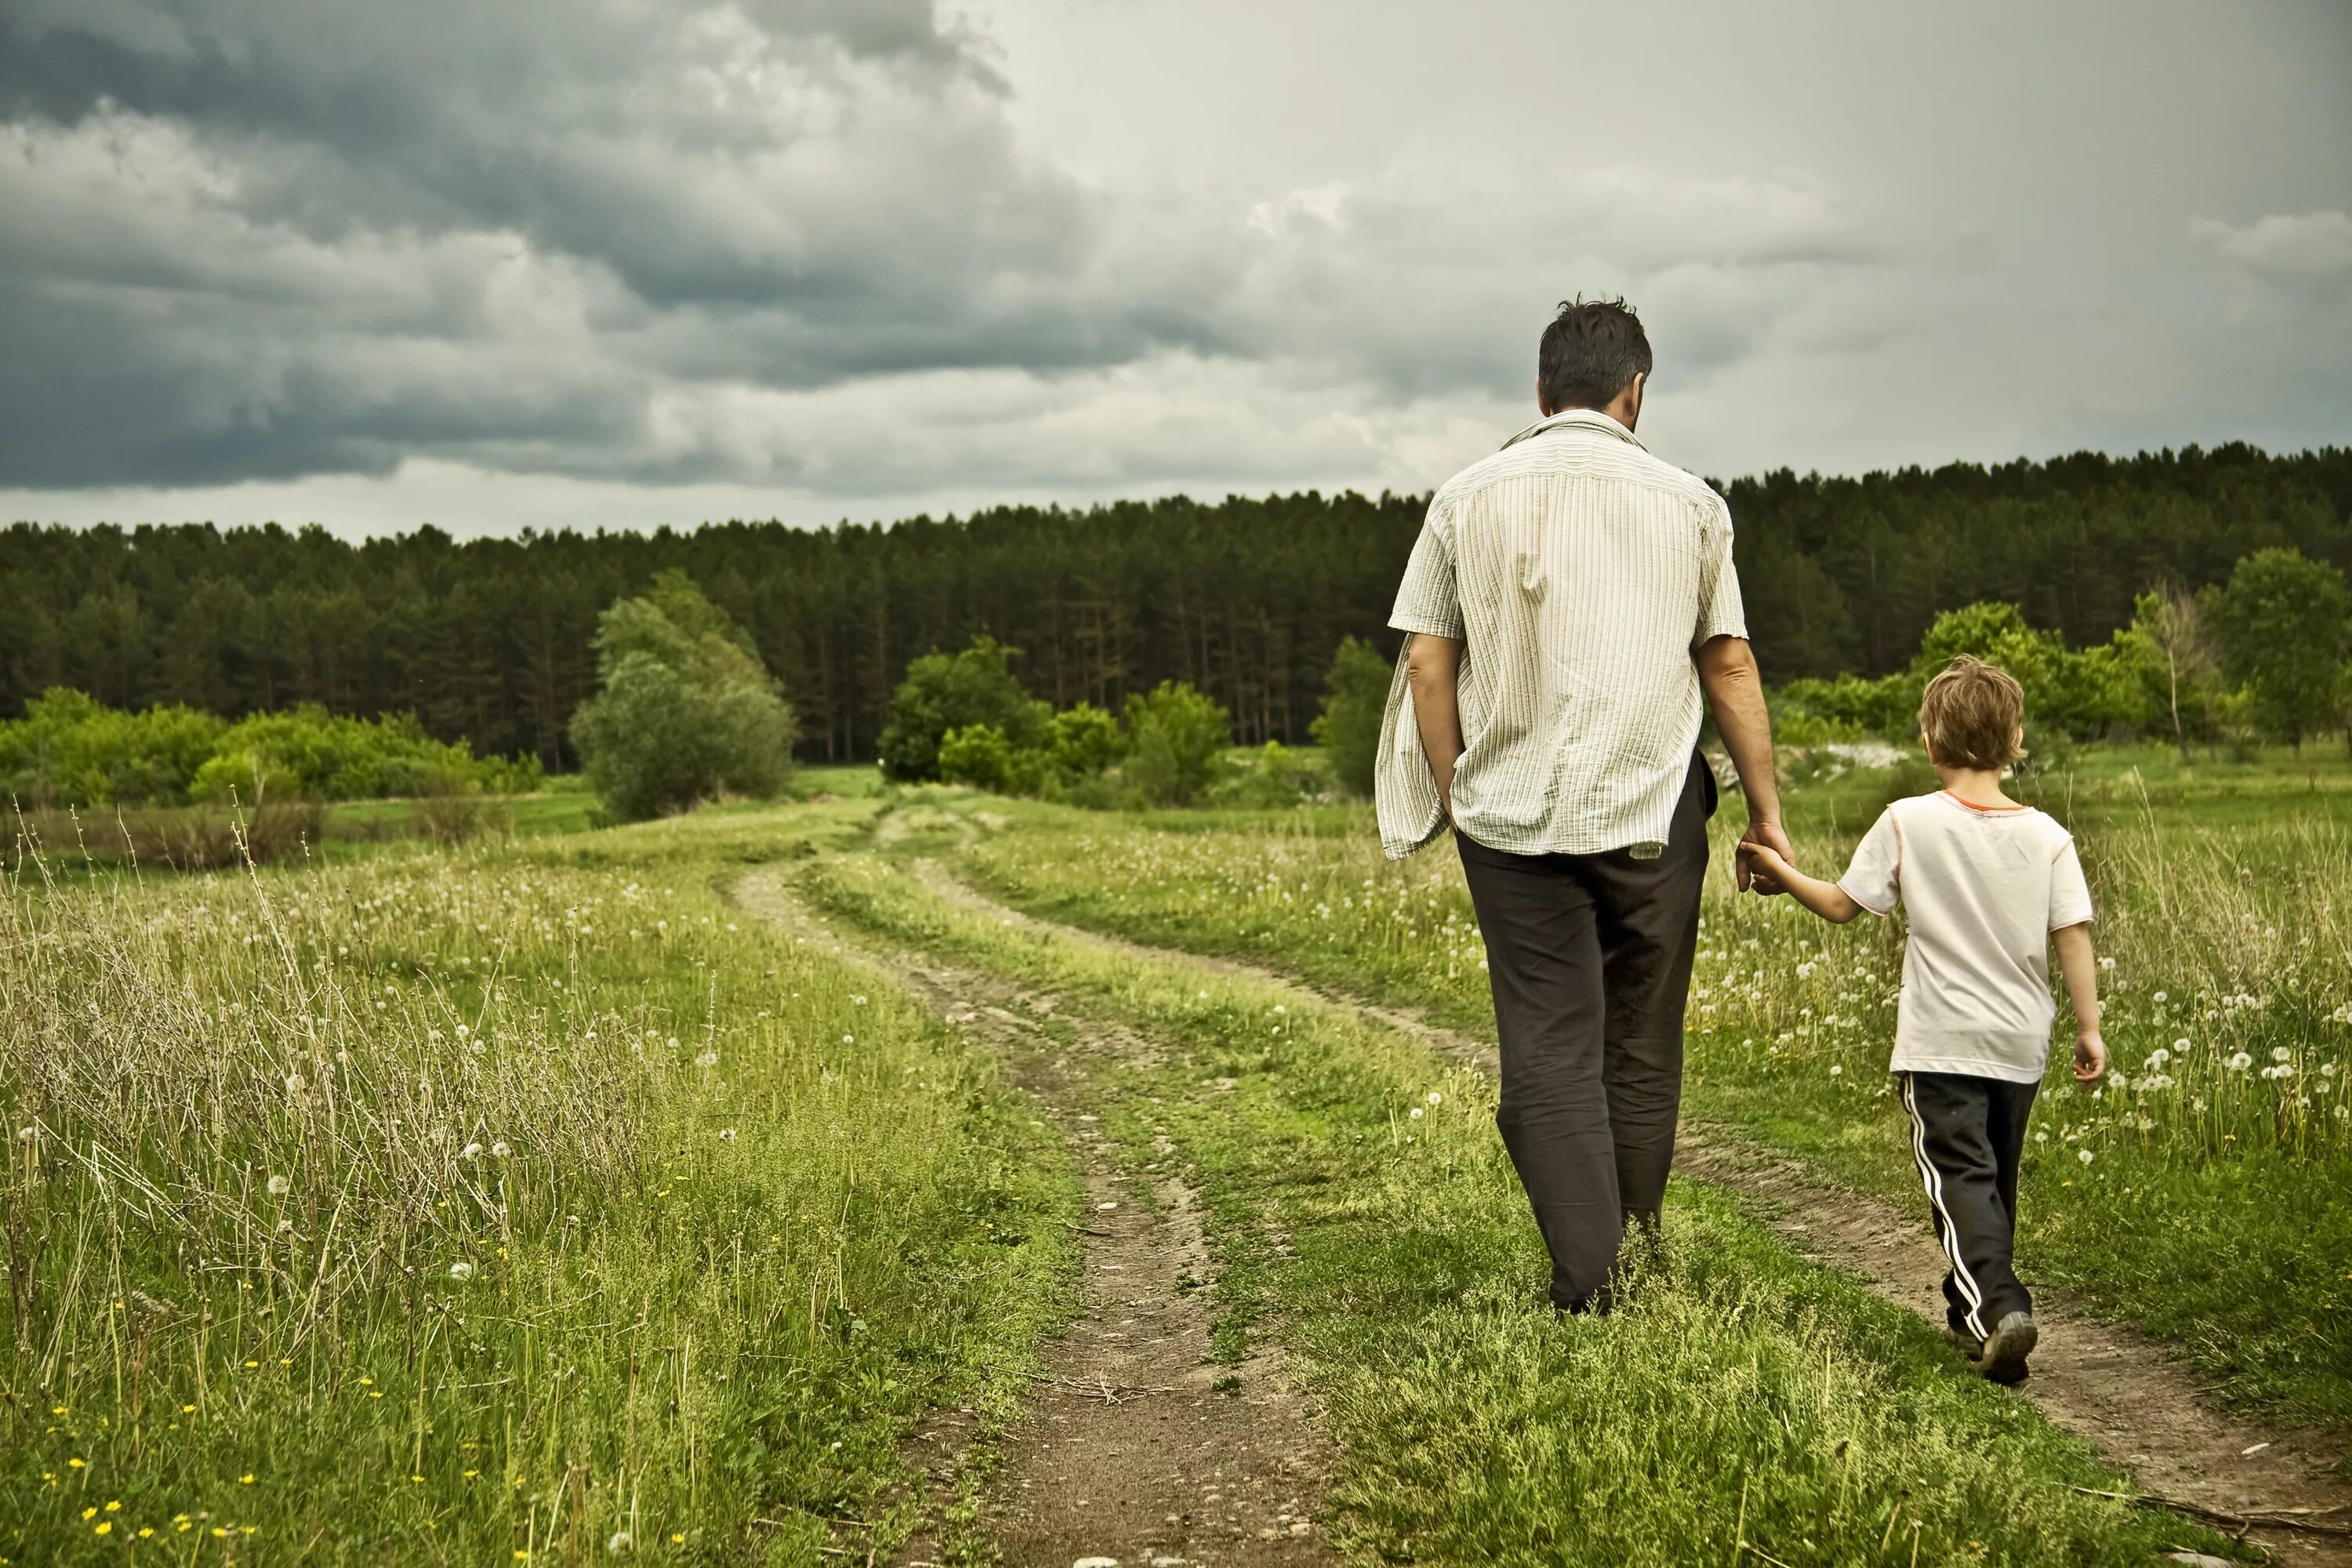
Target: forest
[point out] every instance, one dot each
(491, 641)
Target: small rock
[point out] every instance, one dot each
(1105, 1208)
(2198, 1560)
(1096, 1563)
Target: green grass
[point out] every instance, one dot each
(2231, 1187)
(476, 1204)
(1360, 1207)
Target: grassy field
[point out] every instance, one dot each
(1362, 1208)
(486, 1205)
(2218, 1160)
(526, 1200)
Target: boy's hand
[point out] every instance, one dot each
(1762, 867)
(2090, 1058)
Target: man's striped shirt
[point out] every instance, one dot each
(1581, 572)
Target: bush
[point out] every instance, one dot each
(2283, 624)
(1270, 778)
(955, 691)
(68, 750)
(1084, 740)
(1355, 701)
(977, 754)
(687, 710)
(1175, 735)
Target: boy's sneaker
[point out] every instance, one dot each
(2003, 1360)
(1968, 1344)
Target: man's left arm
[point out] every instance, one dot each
(1735, 694)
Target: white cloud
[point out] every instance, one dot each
(2313, 246)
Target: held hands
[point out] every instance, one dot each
(1765, 860)
(2090, 1056)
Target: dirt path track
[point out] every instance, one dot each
(1129, 1452)
(2109, 1385)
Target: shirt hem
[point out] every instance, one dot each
(1973, 1067)
(1865, 903)
(1429, 625)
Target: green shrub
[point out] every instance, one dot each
(2284, 624)
(1175, 733)
(954, 691)
(687, 709)
(1355, 701)
(1270, 778)
(69, 750)
(1083, 741)
(976, 755)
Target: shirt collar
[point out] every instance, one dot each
(1585, 418)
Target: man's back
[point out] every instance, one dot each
(1581, 570)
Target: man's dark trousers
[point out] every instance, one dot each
(1590, 957)
(1969, 1135)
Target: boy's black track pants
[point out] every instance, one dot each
(1968, 1134)
(1590, 957)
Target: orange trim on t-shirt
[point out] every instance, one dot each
(1982, 810)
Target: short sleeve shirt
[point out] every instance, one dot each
(1983, 888)
(1580, 571)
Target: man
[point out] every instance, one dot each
(1572, 602)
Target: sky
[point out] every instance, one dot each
(628, 263)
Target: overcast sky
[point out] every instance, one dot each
(624, 263)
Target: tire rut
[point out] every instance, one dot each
(2113, 1387)
(1136, 1448)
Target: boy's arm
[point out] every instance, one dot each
(1826, 899)
(2080, 967)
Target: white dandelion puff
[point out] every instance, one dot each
(1435, 1097)
(2084, 1155)
(2240, 1062)
(502, 1149)
(471, 1152)
(461, 1271)
(280, 1186)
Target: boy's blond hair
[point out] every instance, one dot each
(1970, 713)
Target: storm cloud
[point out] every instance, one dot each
(762, 244)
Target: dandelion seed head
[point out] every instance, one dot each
(461, 1269)
(471, 1152)
(280, 1186)
(502, 1149)
(2083, 1155)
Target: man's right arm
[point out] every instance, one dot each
(1432, 669)
(1735, 694)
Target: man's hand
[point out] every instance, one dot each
(1756, 872)
(2090, 1056)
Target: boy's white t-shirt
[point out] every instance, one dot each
(1985, 889)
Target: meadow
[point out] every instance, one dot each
(528, 1199)
(521, 1202)
(2204, 1193)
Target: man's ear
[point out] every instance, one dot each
(1544, 409)
(1634, 388)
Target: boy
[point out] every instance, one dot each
(1990, 885)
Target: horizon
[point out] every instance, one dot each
(527, 532)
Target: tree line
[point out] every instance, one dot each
(494, 641)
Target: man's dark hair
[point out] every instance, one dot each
(1591, 352)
